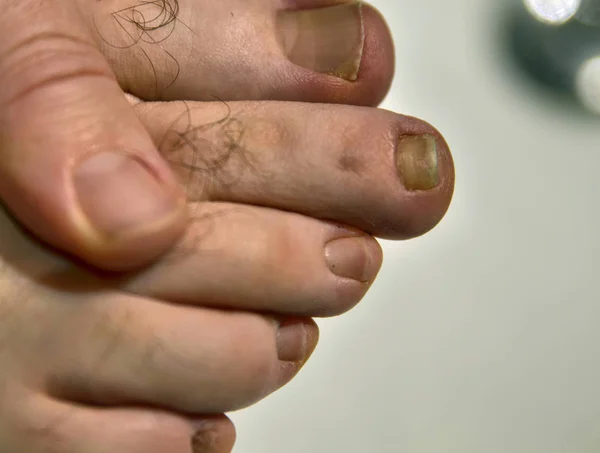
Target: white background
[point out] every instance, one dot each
(484, 336)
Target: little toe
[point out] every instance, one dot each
(42, 424)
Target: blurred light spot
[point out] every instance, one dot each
(588, 84)
(553, 11)
(589, 13)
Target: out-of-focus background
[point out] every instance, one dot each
(483, 336)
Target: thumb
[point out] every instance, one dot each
(76, 165)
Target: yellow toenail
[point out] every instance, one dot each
(417, 162)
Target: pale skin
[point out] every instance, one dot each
(258, 216)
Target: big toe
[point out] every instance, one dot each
(297, 50)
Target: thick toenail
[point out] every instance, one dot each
(294, 342)
(417, 162)
(351, 258)
(328, 40)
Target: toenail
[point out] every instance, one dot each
(294, 342)
(417, 162)
(205, 438)
(351, 258)
(329, 40)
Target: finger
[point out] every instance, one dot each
(259, 259)
(312, 51)
(124, 350)
(389, 175)
(46, 425)
(76, 165)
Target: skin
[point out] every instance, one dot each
(63, 69)
(149, 360)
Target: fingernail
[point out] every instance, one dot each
(327, 40)
(417, 162)
(296, 340)
(352, 258)
(120, 195)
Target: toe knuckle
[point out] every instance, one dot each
(262, 133)
(266, 140)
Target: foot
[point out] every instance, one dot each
(131, 364)
(63, 71)
(255, 173)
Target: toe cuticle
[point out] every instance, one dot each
(417, 162)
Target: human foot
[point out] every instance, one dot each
(87, 366)
(63, 119)
(129, 363)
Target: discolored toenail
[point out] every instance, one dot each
(205, 438)
(417, 162)
(328, 40)
(352, 258)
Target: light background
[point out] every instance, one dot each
(484, 336)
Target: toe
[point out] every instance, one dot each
(302, 51)
(46, 425)
(130, 351)
(260, 259)
(389, 175)
(102, 347)
(213, 435)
